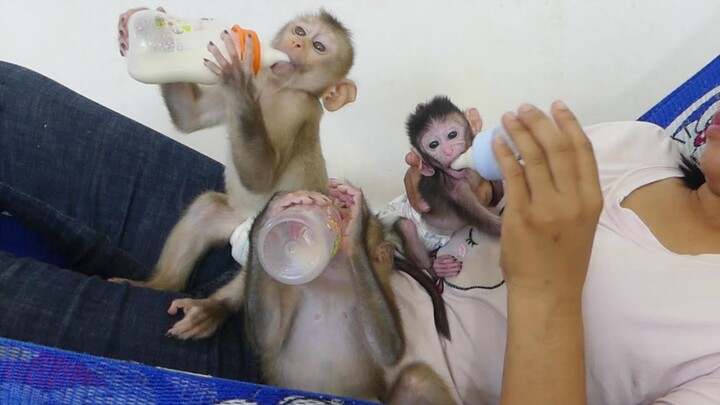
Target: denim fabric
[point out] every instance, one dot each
(104, 191)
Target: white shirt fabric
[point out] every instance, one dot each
(652, 317)
(400, 208)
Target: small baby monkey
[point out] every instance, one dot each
(340, 333)
(273, 122)
(439, 132)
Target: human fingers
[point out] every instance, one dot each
(473, 117)
(412, 189)
(516, 187)
(534, 162)
(558, 151)
(586, 164)
(412, 159)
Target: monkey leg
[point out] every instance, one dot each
(209, 221)
(418, 384)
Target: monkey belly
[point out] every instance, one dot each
(327, 353)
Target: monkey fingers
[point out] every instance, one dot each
(345, 193)
(447, 266)
(304, 198)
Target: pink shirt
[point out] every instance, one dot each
(652, 317)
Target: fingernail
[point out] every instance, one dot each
(206, 60)
(526, 107)
(561, 105)
(211, 42)
(226, 31)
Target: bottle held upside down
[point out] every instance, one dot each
(295, 246)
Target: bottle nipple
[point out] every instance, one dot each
(466, 160)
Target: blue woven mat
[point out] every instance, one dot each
(32, 374)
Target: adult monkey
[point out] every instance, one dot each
(345, 324)
(273, 125)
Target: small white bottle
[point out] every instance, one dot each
(295, 246)
(166, 49)
(480, 156)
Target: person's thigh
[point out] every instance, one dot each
(47, 305)
(107, 171)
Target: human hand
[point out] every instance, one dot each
(413, 175)
(123, 43)
(553, 202)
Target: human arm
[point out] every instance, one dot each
(553, 206)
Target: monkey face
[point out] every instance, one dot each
(319, 53)
(444, 140)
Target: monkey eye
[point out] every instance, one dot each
(319, 46)
(299, 31)
(433, 144)
(470, 241)
(452, 135)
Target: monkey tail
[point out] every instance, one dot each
(439, 310)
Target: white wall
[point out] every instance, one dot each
(608, 59)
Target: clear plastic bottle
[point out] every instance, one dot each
(295, 246)
(480, 156)
(167, 49)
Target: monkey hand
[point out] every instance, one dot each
(446, 266)
(236, 71)
(123, 28)
(201, 320)
(353, 211)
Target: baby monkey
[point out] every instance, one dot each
(273, 123)
(439, 132)
(344, 326)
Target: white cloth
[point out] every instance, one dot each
(400, 208)
(240, 241)
(652, 317)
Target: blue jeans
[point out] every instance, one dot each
(104, 192)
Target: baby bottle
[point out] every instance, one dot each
(480, 156)
(166, 49)
(295, 246)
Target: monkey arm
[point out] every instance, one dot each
(377, 313)
(472, 210)
(192, 107)
(270, 309)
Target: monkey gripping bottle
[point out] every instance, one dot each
(295, 246)
(480, 156)
(166, 49)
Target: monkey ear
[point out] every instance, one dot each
(425, 169)
(344, 92)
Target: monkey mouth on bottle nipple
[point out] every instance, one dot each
(457, 174)
(282, 68)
